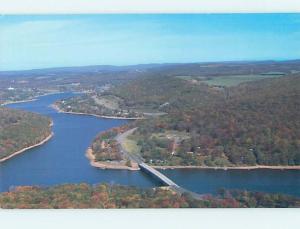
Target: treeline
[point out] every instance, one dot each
(115, 196)
(20, 129)
(163, 93)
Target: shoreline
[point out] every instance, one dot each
(55, 107)
(106, 165)
(29, 100)
(29, 147)
(274, 167)
(21, 101)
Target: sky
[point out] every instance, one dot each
(44, 41)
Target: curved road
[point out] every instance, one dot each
(120, 139)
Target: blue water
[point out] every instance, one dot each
(62, 160)
(265, 180)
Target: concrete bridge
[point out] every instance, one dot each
(167, 181)
(157, 175)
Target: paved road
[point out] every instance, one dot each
(120, 139)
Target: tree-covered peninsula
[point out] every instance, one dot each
(21, 130)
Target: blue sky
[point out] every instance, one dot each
(28, 42)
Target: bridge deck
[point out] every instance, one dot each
(165, 180)
(159, 175)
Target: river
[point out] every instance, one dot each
(62, 160)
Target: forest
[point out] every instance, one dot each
(130, 91)
(115, 196)
(105, 148)
(203, 114)
(253, 123)
(21, 129)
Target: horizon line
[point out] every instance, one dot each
(152, 63)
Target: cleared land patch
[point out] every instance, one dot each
(131, 146)
(110, 102)
(230, 80)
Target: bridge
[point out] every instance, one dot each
(167, 181)
(150, 170)
(156, 174)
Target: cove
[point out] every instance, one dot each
(62, 160)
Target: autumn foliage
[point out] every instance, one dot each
(115, 196)
(21, 129)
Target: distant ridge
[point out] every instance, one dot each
(89, 68)
(98, 69)
(139, 66)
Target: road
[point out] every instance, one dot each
(120, 139)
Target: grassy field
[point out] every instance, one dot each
(110, 102)
(171, 134)
(228, 81)
(131, 146)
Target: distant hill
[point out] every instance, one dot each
(202, 68)
(254, 123)
(80, 69)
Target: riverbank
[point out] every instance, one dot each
(108, 165)
(55, 107)
(275, 167)
(21, 101)
(29, 100)
(279, 167)
(29, 147)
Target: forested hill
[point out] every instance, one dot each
(214, 114)
(20, 129)
(253, 123)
